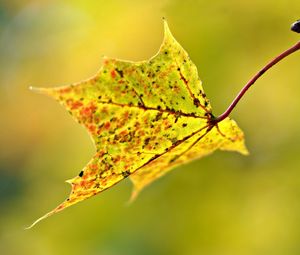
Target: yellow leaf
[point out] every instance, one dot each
(145, 118)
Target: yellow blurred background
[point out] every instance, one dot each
(225, 204)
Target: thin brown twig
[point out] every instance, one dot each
(281, 56)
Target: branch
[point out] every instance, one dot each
(296, 28)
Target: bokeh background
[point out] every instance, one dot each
(224, 204)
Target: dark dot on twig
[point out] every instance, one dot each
(296, 26)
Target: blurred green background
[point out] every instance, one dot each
(224, 204)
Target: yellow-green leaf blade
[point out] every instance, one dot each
(144, 118)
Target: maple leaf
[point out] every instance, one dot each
(145, 118)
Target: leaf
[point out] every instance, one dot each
(145, 118)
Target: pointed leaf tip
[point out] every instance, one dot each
(169, 41)
(166, 27)
(133, 196)
(45, 91)
(39, 219)
(35, 89)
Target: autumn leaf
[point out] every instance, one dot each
(145, 118)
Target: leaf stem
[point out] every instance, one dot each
(253, 80)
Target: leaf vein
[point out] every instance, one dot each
(195, 100)
(143, 107)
